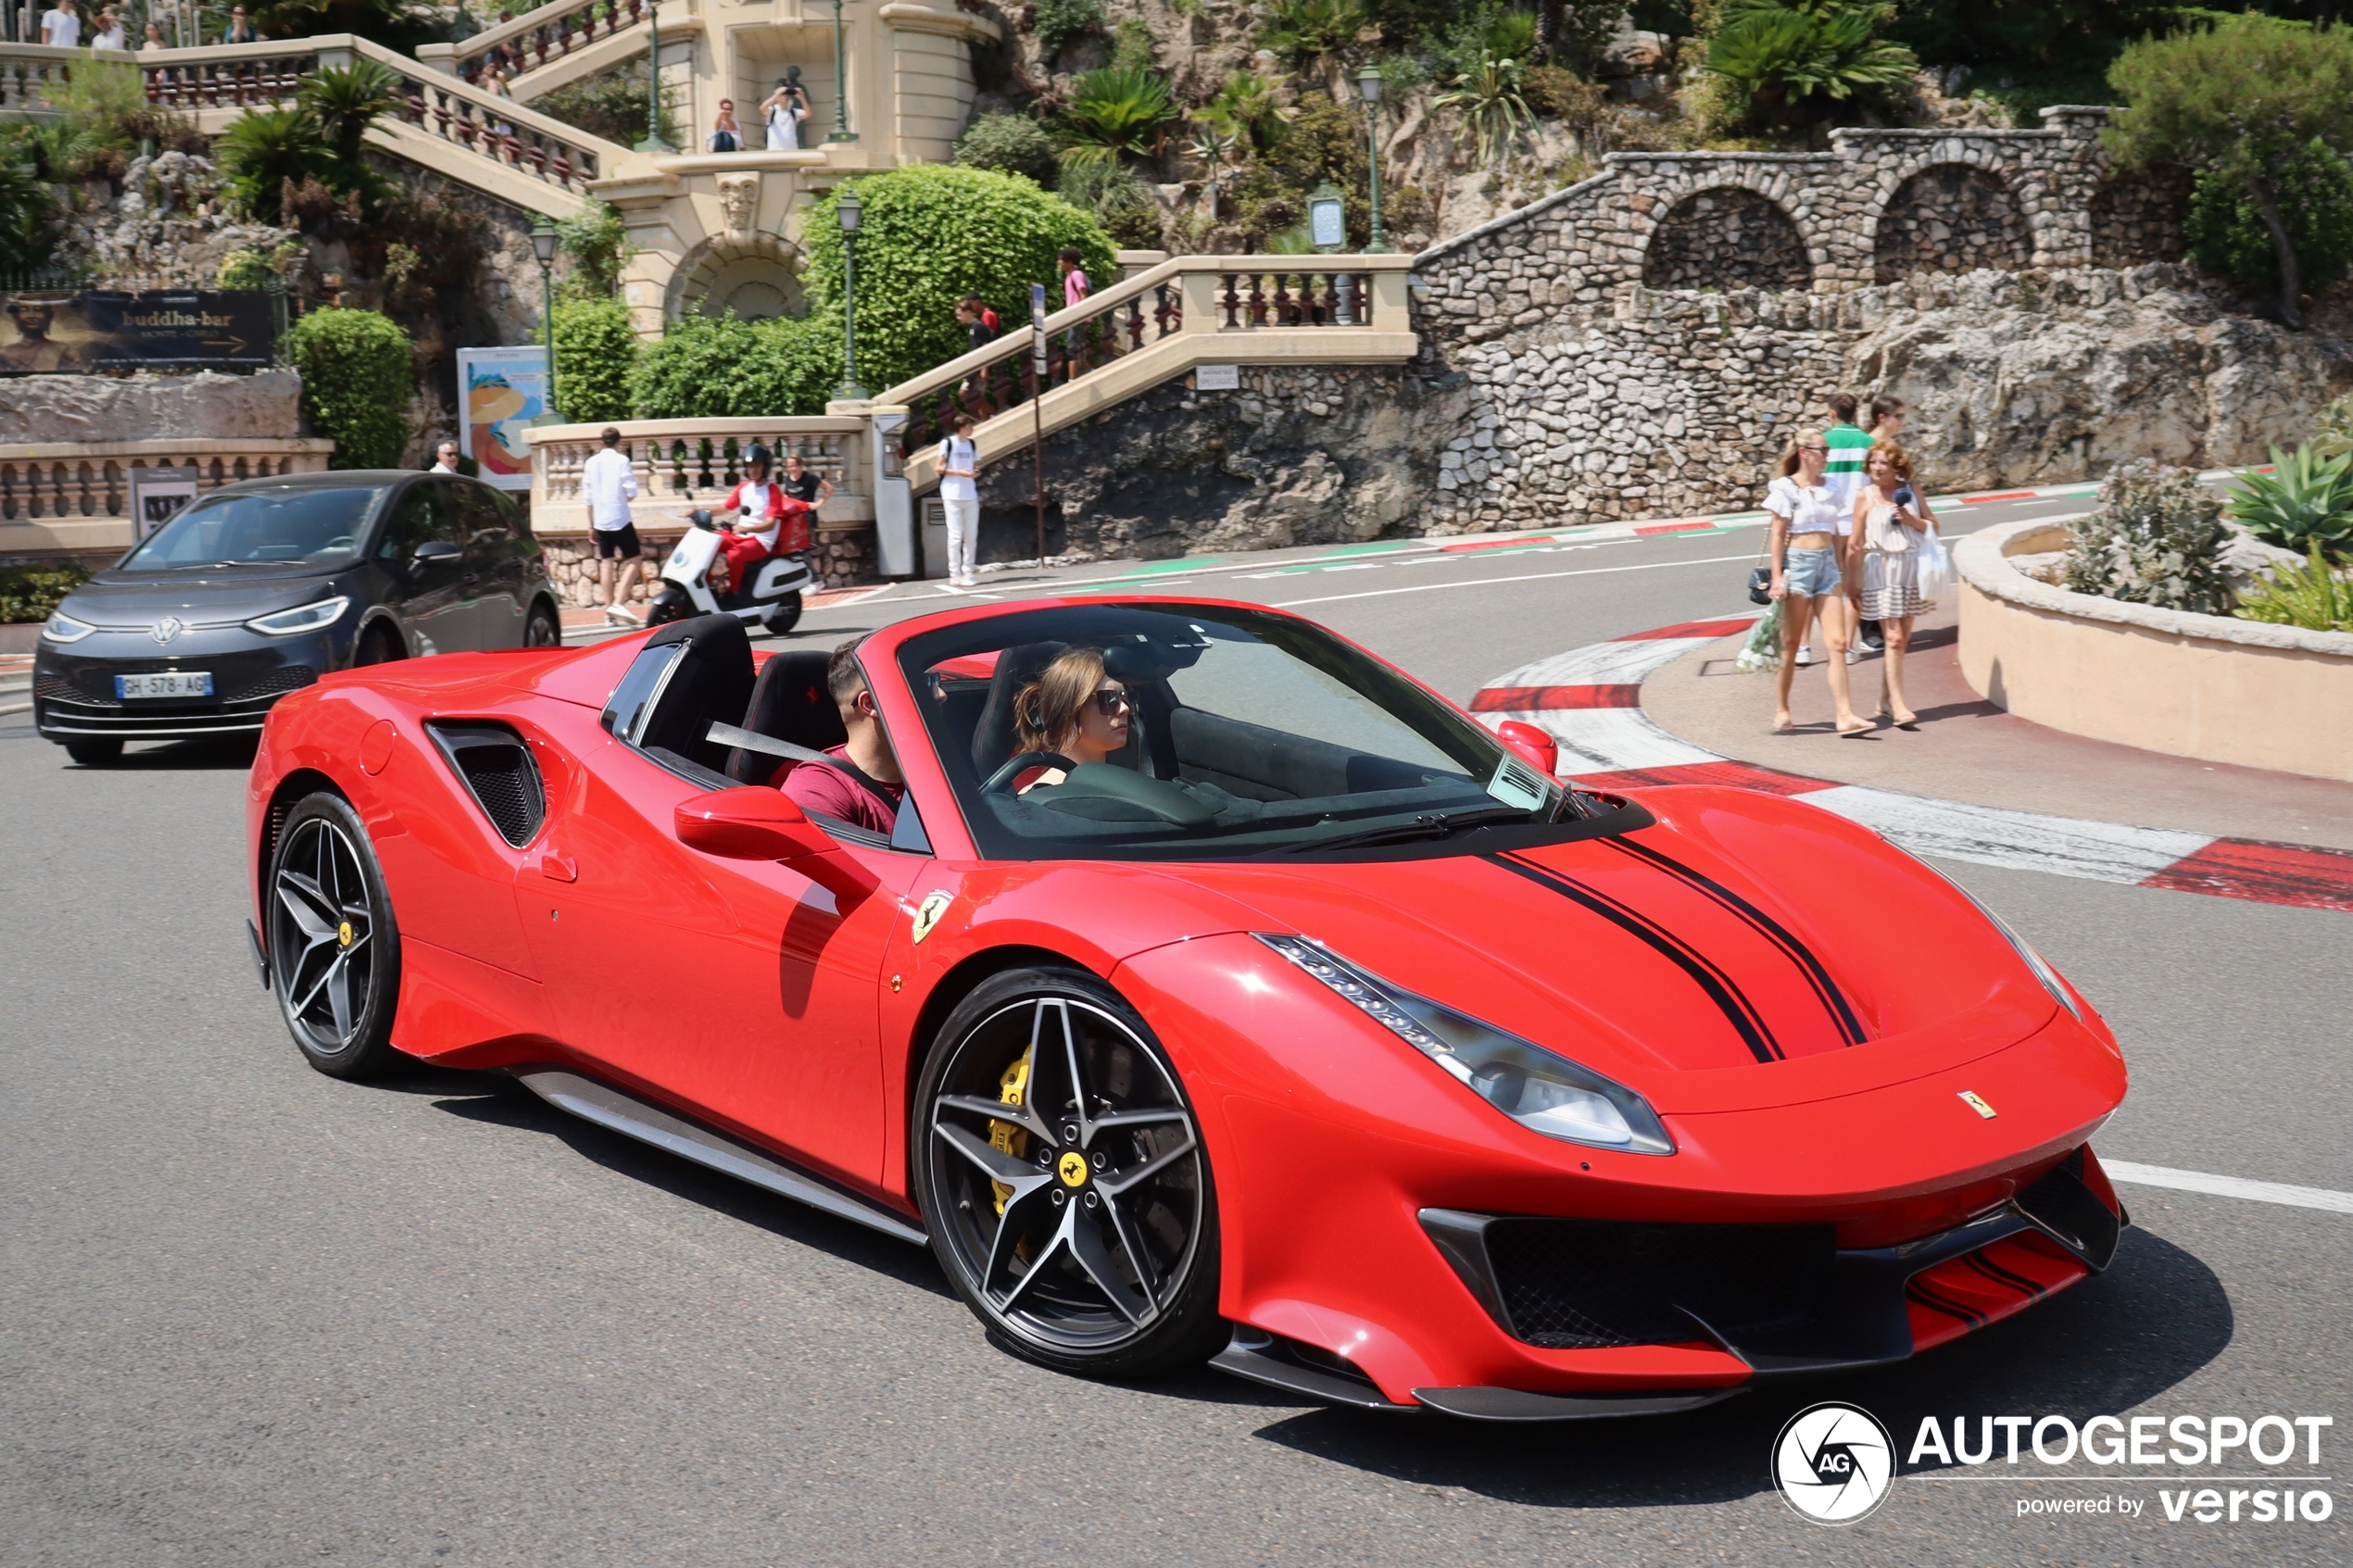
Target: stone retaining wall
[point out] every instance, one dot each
(839, 556)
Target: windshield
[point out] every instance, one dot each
(305, 527)
(1187, 731)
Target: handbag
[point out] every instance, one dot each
(1760, 577)
(1932, 574)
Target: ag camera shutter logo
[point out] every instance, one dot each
(1833, 1462)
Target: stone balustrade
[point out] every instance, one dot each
(73, 498)
(544, 33)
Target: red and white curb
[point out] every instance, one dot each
(1590, 701)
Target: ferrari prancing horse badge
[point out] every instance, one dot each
(928, 914)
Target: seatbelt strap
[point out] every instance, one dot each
(749, 740)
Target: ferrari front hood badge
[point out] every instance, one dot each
(1976, 1102)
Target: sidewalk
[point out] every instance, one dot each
(1968, 749)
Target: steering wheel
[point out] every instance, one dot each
(1001, 781)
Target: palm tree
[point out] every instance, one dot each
(1798, 60)
(1117, 111)
(263, 149)
(346, 100)
(1251, 107)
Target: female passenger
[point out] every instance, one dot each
(1808, 523)
(1890, 523)
(1072, 710)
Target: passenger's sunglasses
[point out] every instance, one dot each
(1109, 700)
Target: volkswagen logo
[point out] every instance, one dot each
(167, 628)
(1833, 1462)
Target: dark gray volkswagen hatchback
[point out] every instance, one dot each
(259, 587)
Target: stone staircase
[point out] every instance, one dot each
(558, 44)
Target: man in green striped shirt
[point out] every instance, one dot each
(1843, 476)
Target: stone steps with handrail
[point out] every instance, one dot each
(541, 36)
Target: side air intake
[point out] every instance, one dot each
(497, 769)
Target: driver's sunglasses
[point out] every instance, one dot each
(1109, 700)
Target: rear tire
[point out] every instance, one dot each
(334, 949)
(785, 617)
(1086, 1247)
(94, 753)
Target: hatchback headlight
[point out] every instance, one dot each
(309, 618)
(63, 628)
(1542, 1092)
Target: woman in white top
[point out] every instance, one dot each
(1889, 523)
(1808, 523)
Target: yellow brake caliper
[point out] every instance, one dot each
(1004, 1137)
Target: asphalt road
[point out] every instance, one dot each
(249, 1315)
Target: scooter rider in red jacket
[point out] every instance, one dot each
(763, 521)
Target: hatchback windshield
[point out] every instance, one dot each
(290, 527)
(1187, 731)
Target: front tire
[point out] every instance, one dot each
(334, 949)
(785, 617)
(94, 753)
(1062, 1175)
(543, 630)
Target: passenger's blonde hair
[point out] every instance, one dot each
(1789, 463)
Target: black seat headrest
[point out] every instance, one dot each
(790, 702)
(994, 739)
(712, 681)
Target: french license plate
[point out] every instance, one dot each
(175, 682)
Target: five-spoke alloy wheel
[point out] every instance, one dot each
(1063, 1177)
(334, 953)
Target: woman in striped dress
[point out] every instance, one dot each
(1891, 521)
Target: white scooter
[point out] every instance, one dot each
(772, 598)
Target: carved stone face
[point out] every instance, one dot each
(739, 202)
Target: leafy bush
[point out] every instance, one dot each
(1119, 110)
(598, 242)
(1554, 94)
(1008, 143)
(1058, 21)
(2226, 230)
(2332, 430)
(1132, 47)
(355, 383)
(31, 593)
(613, 107)
(2156, 538)
(2314, 596)
(932, 235)
(595, 351)
(1251, 107)
(1110, 192)
(1494, 109)
(27, 209)
(2306, 501)
(1798, 60)
(1304, 31)
(1322, 141)
(722, 367)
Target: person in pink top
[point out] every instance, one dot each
(863, 787)
(1076, 288)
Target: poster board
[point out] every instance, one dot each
(53, 334)
(156, 494)
(502, 392)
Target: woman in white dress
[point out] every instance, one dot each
(785, 108)
(1890, 523)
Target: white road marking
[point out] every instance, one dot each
(1622, 663)
(1490, 582)
(1990, 835)
(2229, 1186)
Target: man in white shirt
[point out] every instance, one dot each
(61, 27)
(960, 494)
(445, 458)
(607, 482)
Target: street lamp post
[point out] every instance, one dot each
(848, 210)
(841, 131)
(1368, 85)
(543, 245)
(653, 142)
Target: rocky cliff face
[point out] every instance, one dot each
(151, 407)
(2015, 379)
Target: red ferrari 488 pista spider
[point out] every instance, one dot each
(1216, 992)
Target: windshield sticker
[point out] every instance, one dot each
(1516, 784)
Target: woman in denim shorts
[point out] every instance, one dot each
(1808, 525)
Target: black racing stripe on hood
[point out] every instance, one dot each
(1738, 1011)
(1833, 999)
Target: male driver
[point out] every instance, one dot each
(445, 458)
(862, 784)
(607, 482)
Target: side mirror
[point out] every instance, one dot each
(432, 550)
(1531, 743)
(757, 824)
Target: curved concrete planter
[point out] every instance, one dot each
(2195, 686)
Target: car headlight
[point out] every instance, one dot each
(2034, 961)
(309, 618)
(1542, 1092)
(63, 628)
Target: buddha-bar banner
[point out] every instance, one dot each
(100, 329)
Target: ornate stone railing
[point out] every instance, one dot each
(546, 32)
(683, 461)
(1187, 295)
(28, 71)
(70, 497)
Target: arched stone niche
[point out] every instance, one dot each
(756, 275)
(1950, 217)
(1726, 237)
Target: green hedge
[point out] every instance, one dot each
(2227, 233)
(933, 233)
(30, 593)
(724, 368)
(595, 351)
(356, 382)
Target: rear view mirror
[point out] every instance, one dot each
(759, 823)
(1530, 743)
